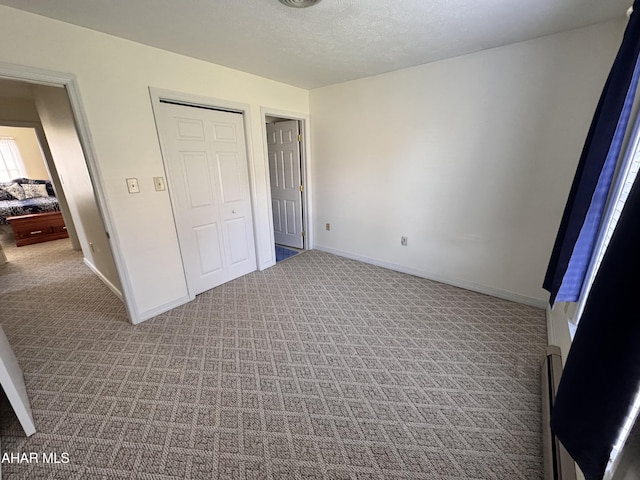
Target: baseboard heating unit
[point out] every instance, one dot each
(558, 464)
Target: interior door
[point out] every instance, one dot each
(206, 163)
(286, 182)
(12, 382)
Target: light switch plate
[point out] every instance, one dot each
(159, 184)
(132, 185)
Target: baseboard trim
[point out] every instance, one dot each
(154, 312)
(474, 287)
(267, 264)
(104, 279)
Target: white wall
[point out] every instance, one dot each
(472, 158)
(30, 151)
(59, 127)
(113, 76)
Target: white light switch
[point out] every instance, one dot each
(132, 185)
(159, 183)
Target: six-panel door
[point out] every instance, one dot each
(285, 173)
(206, 163)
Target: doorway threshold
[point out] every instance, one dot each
(282, 253)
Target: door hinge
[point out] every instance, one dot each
(303, 234)
(299, 137)
(302, 188)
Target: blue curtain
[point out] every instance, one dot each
(583, 250)
(602, 373)
(585, 206)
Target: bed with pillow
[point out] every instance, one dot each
(25, 196)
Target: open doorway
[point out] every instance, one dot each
(28, 189)
(287, 174)
(35, 164)
(46, 112)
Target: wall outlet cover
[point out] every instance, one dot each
(159, 183)
(132, 185)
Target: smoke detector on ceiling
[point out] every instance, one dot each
(299, 3)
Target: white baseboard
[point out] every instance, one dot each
(267, 264)
(104, 279)
(154, 312)
(494, 292)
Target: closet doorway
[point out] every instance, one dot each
(204, 154)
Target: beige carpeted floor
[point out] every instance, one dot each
(317, 368)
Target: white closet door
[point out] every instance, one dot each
(207, 173)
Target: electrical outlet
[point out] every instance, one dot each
(132, 185)
(159, 183)
(327, 227)
(403, 241)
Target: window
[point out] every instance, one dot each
(626, 175)
(11, 165)
(632, 417)
(625, 178)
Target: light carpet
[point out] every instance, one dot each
(317, 368)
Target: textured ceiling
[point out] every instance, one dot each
(335, 41)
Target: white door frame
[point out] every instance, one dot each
(69, 83)
(158, 94)
(306, 171)
(12, 382)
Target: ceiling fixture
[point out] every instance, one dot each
(299, 3)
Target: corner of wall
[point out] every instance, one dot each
(104, 279)
(154, 312)
(558, 328)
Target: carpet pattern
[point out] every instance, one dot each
(317, 368)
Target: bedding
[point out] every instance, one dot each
(24, 196)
